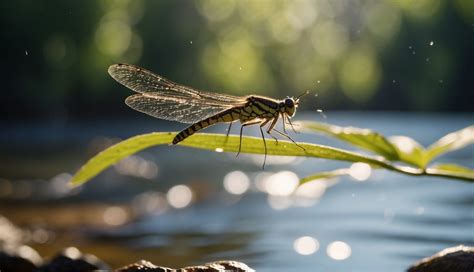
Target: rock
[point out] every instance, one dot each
(143, 265)
(234, 266)
(72, 260)
(459, 259)
(10, 234)
(19, 258)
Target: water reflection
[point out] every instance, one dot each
(339, 250)
(284, 191)
(150, 203)
(306, 245)
(275, 160)
(360, 171)
(115, 216)
(309, 193)
(137, 166)
(179, 196)
(403, 219)
(236, 182)
(281, 184)
(41, 236)
(279, 202)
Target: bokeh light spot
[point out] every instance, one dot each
(360, 171)
(360, 74)
(330, 40)
(301, 14)
(115, 216)
(236, 182)
(282, 29)
(113, 36)
(338, 250)
(179, 196)
(405, 144)
(279, 202)
(281, 184)
(306, 245)
(420, 9)
(215, 10)
(383, 21)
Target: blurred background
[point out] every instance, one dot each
(401, 67)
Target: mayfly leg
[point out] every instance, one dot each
(291, 124)
(228, 130)
(288, 136)
(270, 128)
(264, 141)
(283, 121)
(227, 134)
(241, 130)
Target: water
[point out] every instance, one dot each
(388, 221)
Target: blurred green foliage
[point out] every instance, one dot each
(380, 55)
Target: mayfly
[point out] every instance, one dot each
(165, 99)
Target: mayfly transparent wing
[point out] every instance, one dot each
(165, 99)
(172, 108)
(143, 81)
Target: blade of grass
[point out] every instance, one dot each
(213, 142)
(451, 142)
(364, 138)
(251, 145)
(409, 150)
(325, 175)
(451, 170)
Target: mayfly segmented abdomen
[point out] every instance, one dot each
(228, 115)
(258, 108)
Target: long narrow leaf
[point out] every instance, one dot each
(452, 170)
(213, 142)
(363, 138)
(325, 175)
(409, 150)
(451, 142)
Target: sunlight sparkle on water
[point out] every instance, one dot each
(339, 250)
(236, 182)
(274, 160)
(279, 202)
(179, 196)
(40, 236)
(306, 245)
(150, 202)
(281, 184)
(115, 216)
(309, 193)
(420, 210)
(360, 171)
(137, 166)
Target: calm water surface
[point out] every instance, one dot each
(129, 212)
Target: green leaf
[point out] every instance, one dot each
(118, 152)
(409, 150)
(214, 142)
(451, 142)
(450, 170)
(363, 138)
(325, 175)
